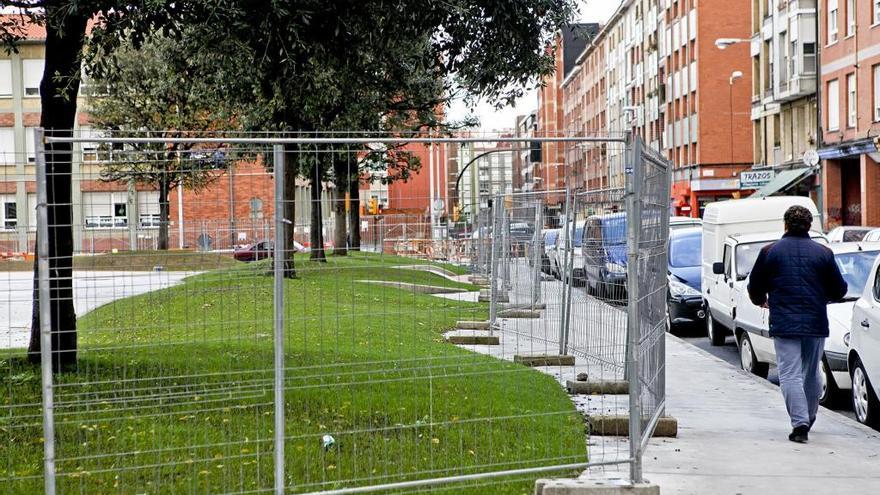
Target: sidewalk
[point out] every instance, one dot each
(733, 437)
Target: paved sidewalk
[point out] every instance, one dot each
(733, 437)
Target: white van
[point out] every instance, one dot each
(578, 275)
(724, 224)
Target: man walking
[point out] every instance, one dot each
(797, 277)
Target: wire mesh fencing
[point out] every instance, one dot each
(300, 362)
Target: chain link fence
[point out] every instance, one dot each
(436, 365)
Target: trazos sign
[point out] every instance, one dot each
(754, 179)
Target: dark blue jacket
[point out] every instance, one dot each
(800, 277)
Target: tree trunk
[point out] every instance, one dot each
(163, 212)
(65, 35)
(290, 173)
(340, 233)
(354, 214)
(316, 234)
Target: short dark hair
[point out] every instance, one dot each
(798, 220)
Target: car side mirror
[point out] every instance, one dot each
(718, 268)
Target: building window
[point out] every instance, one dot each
(850, 17)
(148, 209)
(5, 78)
(105, 210)
(851, 100)
(832, 21)
(33, 74)
(810, 58)
(7, 146)
(833, 95)
(877, 93)
(29, 144)
(876, 11)
(8, 213)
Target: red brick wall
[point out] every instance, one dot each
(414, 194)
(727, 19)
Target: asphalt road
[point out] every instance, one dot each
(729, 353)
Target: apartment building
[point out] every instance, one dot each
(708, 133)
(849, 33)
(550, 172)
(784, 102)
(489, 173)
(528, 156)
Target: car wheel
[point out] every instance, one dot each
(864, 399)
(714, 331)
(670, 327)
(830, 391)
(747, 359)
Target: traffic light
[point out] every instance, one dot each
(374, 206)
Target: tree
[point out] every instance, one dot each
(324, 66)
(158, 87)
(65, 22)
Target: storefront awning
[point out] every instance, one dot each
(785, 179)
(849, 149)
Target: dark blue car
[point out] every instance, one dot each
(685, 298)
(604, 251)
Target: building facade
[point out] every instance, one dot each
(784, 99)
(849, 33)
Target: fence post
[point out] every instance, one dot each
(493, 268)
(537, 255)
(45, 314)
(567, 277)
(278, 262)
(633, 172)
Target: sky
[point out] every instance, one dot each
(490, 118)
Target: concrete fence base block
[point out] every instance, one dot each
(478, 280)
(505, 307)
(594, 487)
(544, 360)
(488, 298)
(472, 325)
(610, 426)
(472, 338)
(597, 388)
(518, 313)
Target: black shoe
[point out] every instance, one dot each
(799, 434)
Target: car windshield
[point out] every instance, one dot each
(746, 255)
(855, 268)
(685, 251)
(614, 231)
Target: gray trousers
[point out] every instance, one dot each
(798, 360)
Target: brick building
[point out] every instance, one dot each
(850, 100)
(550, 172)
(708, 133)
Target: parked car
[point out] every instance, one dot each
(849, 234)
(872, 236)
(262, 250)
(676, 223)
(577, 258)
(684, 301)
(604, 253)
(548, 257)
(752, 329)
(726, 245)
(864, 352)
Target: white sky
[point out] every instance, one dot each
(490, 118)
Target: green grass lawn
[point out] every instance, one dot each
(173, 393)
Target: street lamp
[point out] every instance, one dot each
(733, 77)
(723, 43)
